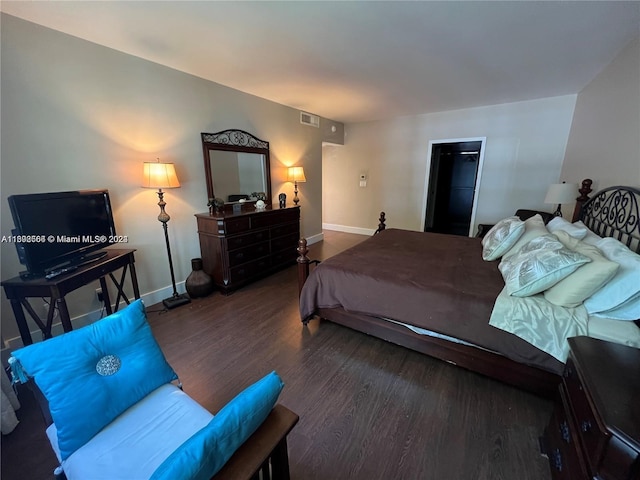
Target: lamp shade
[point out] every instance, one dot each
(159, 175)
(296, 174)
(559, 193)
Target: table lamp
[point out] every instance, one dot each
(295, 175)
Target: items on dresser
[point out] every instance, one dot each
(240, 247)
(594, 431)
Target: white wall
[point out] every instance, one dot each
(604, 142)
(77, 115)
(524, 151)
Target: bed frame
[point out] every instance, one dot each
(612, 212)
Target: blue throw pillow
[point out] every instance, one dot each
(206, 452)
(91, 375)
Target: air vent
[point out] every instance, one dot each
(310, 119)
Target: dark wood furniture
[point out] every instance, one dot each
(594, 431)
(612, 212)
(18, 291)
(238, 248)
(264, 455)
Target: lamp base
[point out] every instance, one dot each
(558, 212)
(176, 301)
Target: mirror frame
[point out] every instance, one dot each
(236, 141)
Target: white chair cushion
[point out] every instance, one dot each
(139, 440)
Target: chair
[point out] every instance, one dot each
(114, 410)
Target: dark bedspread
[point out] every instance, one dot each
(428, 280)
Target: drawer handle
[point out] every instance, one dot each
(556, 459)
(586, 426)
(568, 372)
(564, 431)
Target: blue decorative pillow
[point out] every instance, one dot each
(206, 452)
(91, 375)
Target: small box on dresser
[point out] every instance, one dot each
(594, 431)
(241, 247)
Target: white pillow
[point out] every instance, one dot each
(502, 236)
(590, 237)
(533, 227)
(626, 333)
(538, 265)
(586, 280)
(560, 224)
(629, 310)
(616, 299)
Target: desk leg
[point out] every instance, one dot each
(105, 295)
(134, 279)
(21, 320)
(64, 314)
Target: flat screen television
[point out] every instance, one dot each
(54, 230)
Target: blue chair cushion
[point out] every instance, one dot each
(206, 452)
(91, 375)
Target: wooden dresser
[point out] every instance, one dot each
(238, 248)
(594, 431)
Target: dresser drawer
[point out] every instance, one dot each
(284, 257)
(234, 225)
(246, 254)
(240, 241)
(248, 270)
(593, 436)
(286, 229)
(287, 242)
(561, 447)
(274, 217)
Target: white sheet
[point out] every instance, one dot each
(539, 322)
(134, 445)
(618, 331)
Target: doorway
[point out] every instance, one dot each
(453, 175)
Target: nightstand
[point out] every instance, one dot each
(594, 431)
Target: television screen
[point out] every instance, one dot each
(62, 228)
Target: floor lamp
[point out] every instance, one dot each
(163, 175)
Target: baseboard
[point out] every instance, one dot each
(149, 299)
(347, 229)
(315, 238)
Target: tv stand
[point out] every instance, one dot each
(18, 290)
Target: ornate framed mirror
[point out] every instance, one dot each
(236, 166)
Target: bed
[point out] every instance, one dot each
(435, 294)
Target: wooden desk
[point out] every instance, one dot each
(18, 291)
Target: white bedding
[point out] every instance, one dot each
(155, 426)
(539, 322)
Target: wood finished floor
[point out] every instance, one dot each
(368, 409)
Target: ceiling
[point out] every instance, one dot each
(355, 61)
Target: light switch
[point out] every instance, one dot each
(363, 180)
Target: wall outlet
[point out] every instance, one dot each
(99, 295)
